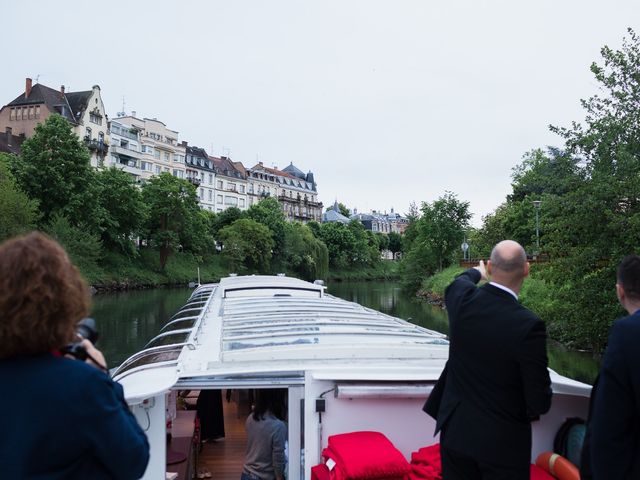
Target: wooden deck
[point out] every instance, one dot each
(224, 458)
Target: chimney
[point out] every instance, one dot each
(260, 163)
(61, 91)
(27, 88)
(133, 113)
(185, 143)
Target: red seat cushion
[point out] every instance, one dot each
(539, 474)
(365, 455)
(320, 472)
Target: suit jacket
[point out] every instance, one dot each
(496, 380)
(614, 424)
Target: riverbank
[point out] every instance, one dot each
(115, 272)
(537, 294)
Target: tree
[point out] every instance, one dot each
(247, 245)
(307, 256)
(395, 243)
(172, 204)
(224, 218)
(269, 213)
(54, 169)
(125, 213)
(340, 242)
(442, 225)
(383, 241)
(18, 213)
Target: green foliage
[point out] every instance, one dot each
(247, 246)
(173, 215)
(18, 213)
(125, 213)
(395, 242)
(269, 213)
(383, 241)
(438, 282)
(307, 256)
(224, 218)
(349, 246)
(54, 170)
(83, 247)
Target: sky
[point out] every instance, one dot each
(386, 102)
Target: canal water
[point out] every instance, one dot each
(128, 320)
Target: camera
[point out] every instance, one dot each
(85, 329)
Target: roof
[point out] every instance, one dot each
(334, 215)
(273, 171)
(252, 324)
(295, 171)
(54, 99)
(78, 101)
(224, 166)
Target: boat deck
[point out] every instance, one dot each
(224, 458)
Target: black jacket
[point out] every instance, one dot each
(496, 380)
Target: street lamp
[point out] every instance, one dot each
(536, 204)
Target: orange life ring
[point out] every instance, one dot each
(558, 466)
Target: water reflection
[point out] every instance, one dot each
(128, 320)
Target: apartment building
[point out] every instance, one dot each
(295, 190)
(84, 110)
(125, 148)
(161, 152)
(230, 184)
(201, 173)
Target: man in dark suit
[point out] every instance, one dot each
(496, 380)
(612, 446)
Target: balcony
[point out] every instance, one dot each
(126, 152)
(194, 181)
(99, 146)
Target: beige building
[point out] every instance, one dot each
(230, 184)
(159, 147)
(295, 190)
(84, 110)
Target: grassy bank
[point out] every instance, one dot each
(115, 271)
(385, 270)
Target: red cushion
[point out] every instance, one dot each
(365, 455)
(426, 464)
(539, 474)
(320, 472)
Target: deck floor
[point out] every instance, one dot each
(224, 458)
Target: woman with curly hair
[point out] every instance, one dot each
(67, 419)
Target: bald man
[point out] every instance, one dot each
(496, 380)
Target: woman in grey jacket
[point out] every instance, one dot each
(266, 437)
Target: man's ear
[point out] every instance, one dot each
(620, 293)
(488, 267)
(526, 269)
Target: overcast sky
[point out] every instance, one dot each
(386, 102)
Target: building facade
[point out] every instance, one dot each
(160, 150)
(201, 173)
(84, 110)
(230, 184)
(125, 150)
(295, 191)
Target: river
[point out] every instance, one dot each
(128, 320)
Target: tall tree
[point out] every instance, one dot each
(125, 213)
(54, 169)
(18, 213)
(247, 245)
(172, 203)
(269, 213)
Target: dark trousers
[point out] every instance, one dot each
(457, 466)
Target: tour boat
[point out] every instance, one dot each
(346, 367)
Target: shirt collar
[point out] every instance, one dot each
(506, 289)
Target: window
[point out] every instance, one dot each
(31, 113)
(101, 137)
(166, 169)
(242, 203)
(37, 111)
(211, 179)
(231, 186)
(87, 133)
(201, 193)
(210, 195)
(166, 156)
(158, 170)
(219, 184)
(147, 166)
(241, 187)
(25, 115)
(156, 153)
(218, 198)
(95, 117)
(12, 114)
(231, 201)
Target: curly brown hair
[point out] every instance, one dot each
(42, 296)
